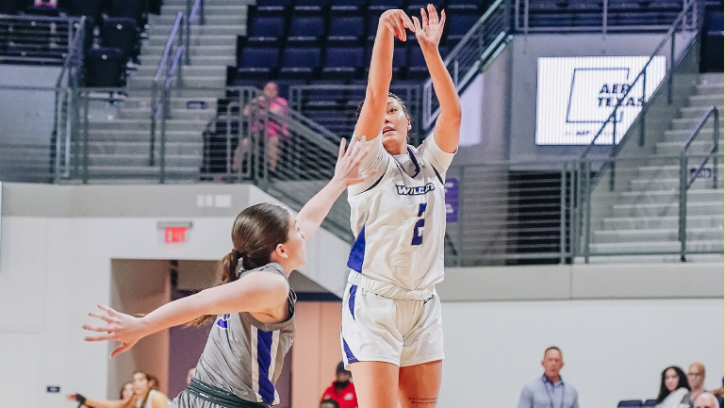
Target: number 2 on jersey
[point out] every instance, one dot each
(418, 230)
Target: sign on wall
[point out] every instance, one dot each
(576, 95)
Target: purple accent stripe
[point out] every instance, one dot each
(357, 253)
(222, 322)
(415, 162)
(348, 353)
(264, 358)
(351, 302)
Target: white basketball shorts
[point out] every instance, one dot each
(381, 322)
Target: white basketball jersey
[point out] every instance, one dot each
(399, 216)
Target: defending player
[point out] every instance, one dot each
(392, 334)
(253, 307)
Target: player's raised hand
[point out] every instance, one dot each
(396, 21)
(347, 168)
(429, 28)
(119, 327)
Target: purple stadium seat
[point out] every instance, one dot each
(385, 4)
(258, 63)
(265, 29)
(460, 23)
(120, 32)
(470, 5)
(344, 57)
(128, 8)
(272, 6)
(306, 29)
(299, 63)
(345, 29)
(346, 6)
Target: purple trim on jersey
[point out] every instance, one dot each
(351, 302)
(264, 359)
(222, 322)
(348, 353)
(357, 253)
(415, 162)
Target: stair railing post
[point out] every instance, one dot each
(644, 102)
(587, 196)
(716, 141)
(460, 214)
(162, 144)
(85, 141)
(682, 208)
(670, 79)
(562, 215)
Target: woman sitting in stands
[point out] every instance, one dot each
(673, 388)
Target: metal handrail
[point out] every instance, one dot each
(604, 27)
(191, 12)
(169, 44)
(643, 74)
(685, 182)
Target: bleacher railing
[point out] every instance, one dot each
(536, 16)
(36, 39)
(617, 136)
(499, 213)
(470, 55)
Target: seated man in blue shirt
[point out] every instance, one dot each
(549, 391)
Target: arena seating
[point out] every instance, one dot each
(306, 41)
(629, 15)
(29, 36)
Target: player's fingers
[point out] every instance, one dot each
(443, 18)
(123, 348)
(108, 310)
(416, 22)
(101, 337)
(106, 329)
(399, 29)
(424, 18)
(106, 318)
(406, 21)
(432, 14)
(341, 151)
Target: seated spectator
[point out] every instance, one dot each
(328, 403)
(706, 400)
(673, 388)
(277, 132)
(696, 381)
(342, 391)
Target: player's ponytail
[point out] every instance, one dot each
(256, 233)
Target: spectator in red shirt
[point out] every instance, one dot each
(342, 390)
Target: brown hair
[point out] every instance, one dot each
(256, 233)
(148, 379)
(553, 348)
(123, 387)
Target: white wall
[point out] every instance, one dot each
(56, 268)
(613, 349)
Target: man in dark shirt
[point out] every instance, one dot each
(342, 390)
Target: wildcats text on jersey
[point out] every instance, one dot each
(420, 190)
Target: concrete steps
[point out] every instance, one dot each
(655, 235)
(200, 40)
(701, 145)
(656, 247)
(667, 222)
(119, 135)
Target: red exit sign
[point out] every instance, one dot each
(173, 235)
